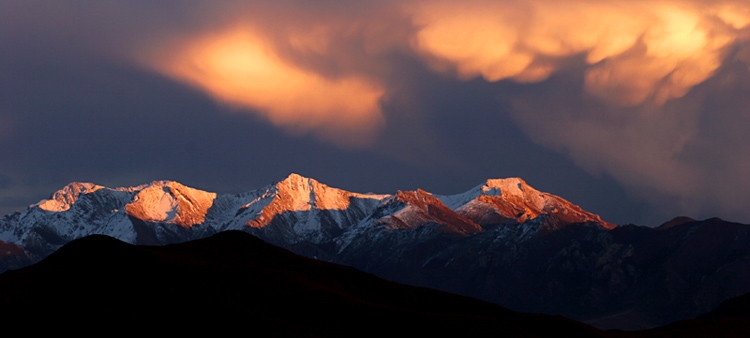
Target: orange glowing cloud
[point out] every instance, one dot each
(477, 38)
(637, 50)
(241, 67)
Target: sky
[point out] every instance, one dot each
(635, 110)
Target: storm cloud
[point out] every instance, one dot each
(646, 79)
(636, 110)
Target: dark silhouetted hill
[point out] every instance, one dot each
(234, 280)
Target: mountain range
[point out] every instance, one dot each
(501, 241)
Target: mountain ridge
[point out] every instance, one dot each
(315, 209)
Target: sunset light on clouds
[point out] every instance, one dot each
(644, 101)
(637, 49)
(240, 68)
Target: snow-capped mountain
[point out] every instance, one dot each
(512, 200)
(294, 210)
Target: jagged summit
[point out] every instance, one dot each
(492, 187)
(513, 200)
(296, 181)
(299, 193)
(171, 202)
(494, 201)
(417, 208)
(295, 178)
(303, 209)
(293, 210)
(62, 199)
(512, 185)
(158, 201)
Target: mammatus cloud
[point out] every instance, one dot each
(636, 50)
(647, 112)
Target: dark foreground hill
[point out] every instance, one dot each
(232, 281)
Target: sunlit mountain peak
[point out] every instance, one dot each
(65, 197)
(513, 186)
(172, 202)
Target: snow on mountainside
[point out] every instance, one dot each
(300, 194)
(160, 201)
(170, 202)
(294, 210)
(512, 200)
(300, 209)
(417, 208)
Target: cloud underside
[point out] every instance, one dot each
(635, 50)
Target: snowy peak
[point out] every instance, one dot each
(509, 200)
(306, 193)
(299, 194)
(508, 186)
(294, 210)
(297, 208)
(417, 208)
(513, 200)
(298, 191)
(419, 198)
(159, 201)
(65, 197)
(170, 202)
